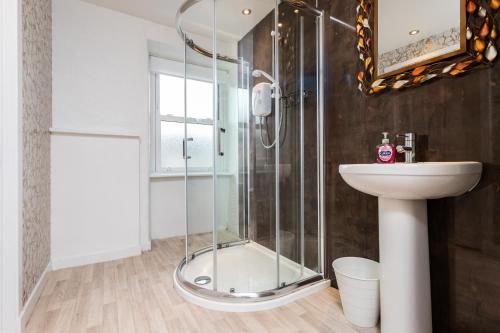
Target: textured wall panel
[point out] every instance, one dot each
(37, 119)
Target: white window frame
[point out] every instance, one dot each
(159, 67)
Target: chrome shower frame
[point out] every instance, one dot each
(247, 297)
(299, 4)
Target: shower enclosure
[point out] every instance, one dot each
(263, 134)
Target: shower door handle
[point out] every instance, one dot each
(220, 144)
(184, 148)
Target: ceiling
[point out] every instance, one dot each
(231, 23)
(396, 18)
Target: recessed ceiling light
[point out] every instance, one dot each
(414, 32)
(246, 11)
(280, 24)
(296, 11)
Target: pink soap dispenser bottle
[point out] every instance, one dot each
(386, 152)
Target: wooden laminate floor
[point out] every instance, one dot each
(137, 295)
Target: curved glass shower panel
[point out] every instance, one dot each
(227, 163)
(253, 149)
(256, 49)
(199, 158)
(243, 265)
(299, 144)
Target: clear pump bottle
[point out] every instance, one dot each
(386, 152)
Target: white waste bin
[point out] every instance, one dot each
(358, 281)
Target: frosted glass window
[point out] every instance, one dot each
(171, 95)
(171, 145)
(169, 113)
(200, 149)
(199, 97)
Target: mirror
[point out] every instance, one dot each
(404, 44)
(411, 33)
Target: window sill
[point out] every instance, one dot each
(181, 175)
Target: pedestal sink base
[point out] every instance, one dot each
(402, 189)
(404, 266)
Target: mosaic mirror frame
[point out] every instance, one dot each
(481, 35)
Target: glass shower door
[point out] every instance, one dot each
(226, 166)
(242, 266)
(197, 150)
(227, 205)
(252, 179)
(298, 207)
(227, 209)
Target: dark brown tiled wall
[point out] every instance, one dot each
(256, 48)
(457, 119)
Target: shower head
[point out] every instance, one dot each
(259, 73)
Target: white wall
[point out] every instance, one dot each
(168, 209)
(10, 166)
(167, 220)
(101, 84)
(95, 198)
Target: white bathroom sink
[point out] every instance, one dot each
(402, 190)
(413, 181)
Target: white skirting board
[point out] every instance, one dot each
(34, 297)
(146, 247)
(59, 263)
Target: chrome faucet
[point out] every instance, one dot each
(409, 146)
